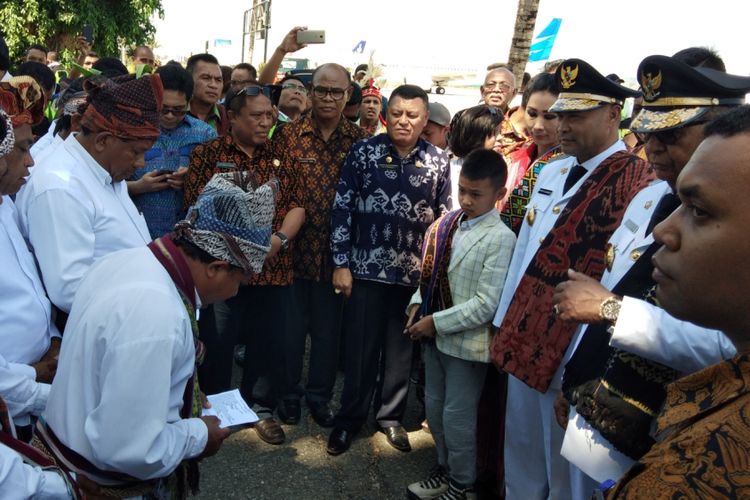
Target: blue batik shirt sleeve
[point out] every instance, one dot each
(343, 206)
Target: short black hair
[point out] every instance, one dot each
(110, 67)
(408, 92)
(192, 250)
(175, 77)
(37, 46)
(248, 67)
(237, 105)
(485, 164)
(39, 72)
(470, 128)
(731, 123)
(226, 76)
(543, 82)
(361, 67)
(196, 58)
(701, 57)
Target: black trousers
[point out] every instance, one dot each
(378, 355)
(317, 311)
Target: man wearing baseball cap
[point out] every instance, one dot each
(438, 123)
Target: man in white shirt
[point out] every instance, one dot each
(29, 340)
(76, 205)
(125, 408)
(576, 203)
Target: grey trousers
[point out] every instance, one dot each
(453, 387)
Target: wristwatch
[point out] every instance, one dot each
(283, 238)
(609, 309)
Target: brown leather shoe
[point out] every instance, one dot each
(269, 431)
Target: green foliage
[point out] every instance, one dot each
(57, 23)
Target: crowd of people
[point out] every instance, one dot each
(564, 282)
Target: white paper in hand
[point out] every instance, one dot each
(230, 409)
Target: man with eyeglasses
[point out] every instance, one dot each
(241, 76)
(260, 311)
(292, 99)
(392, 187)
(316, 145)
(77, 205)
(498, 90)
(647, 348)
(156, 188)
(207, 86)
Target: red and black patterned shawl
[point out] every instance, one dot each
(532, 341)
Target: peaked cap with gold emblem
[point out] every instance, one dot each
(676, 95)
(582, 88)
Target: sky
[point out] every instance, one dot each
(421, 37)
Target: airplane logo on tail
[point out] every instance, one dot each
(540, 50)
(360, 47)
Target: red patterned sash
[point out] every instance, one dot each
(531, 341)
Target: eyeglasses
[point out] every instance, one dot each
(177, 111)
(294, 87)
(336, 94)
(667, 137)
(504, 87)
(253, 90)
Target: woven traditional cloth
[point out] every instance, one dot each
(6, 133)
(532, 340)
(231, 220)
(21, 97)
(436, 256)
(126, 107)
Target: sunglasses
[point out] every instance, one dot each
(253, 90)
(667, 137)
(176, 111)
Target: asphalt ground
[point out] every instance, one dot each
(248, 468)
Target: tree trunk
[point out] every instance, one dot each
(522, 36)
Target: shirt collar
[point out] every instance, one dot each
(467, 224)
(701, 392)
(94, 167)
(419, 147)
(593, 162)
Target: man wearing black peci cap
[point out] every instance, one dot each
(678, 101)
(576, 204)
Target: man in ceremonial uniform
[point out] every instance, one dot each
(678, 101)
(76, 205)
(576, 204)
(125, 408)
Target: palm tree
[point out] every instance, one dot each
(522, 36)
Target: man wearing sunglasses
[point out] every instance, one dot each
(648, 348)
(316, 146)
(262, 307)
(156, 188)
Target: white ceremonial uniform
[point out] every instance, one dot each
(75, 214)
(127, 356)
(21, 481)
(534, 468)
(44, 141)
(26, 313)
(590, 453)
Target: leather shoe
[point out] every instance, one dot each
(289, 411)
(321, 413)
(397, 437)
(269, 431)
(339, 441)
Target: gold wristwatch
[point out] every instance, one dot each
(609, 309)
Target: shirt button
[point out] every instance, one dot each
(556, 210)
(635, 255)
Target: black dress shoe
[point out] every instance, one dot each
(397, 437)
(321, 413)
(339, 441)
(289, 411)
(269, 431)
